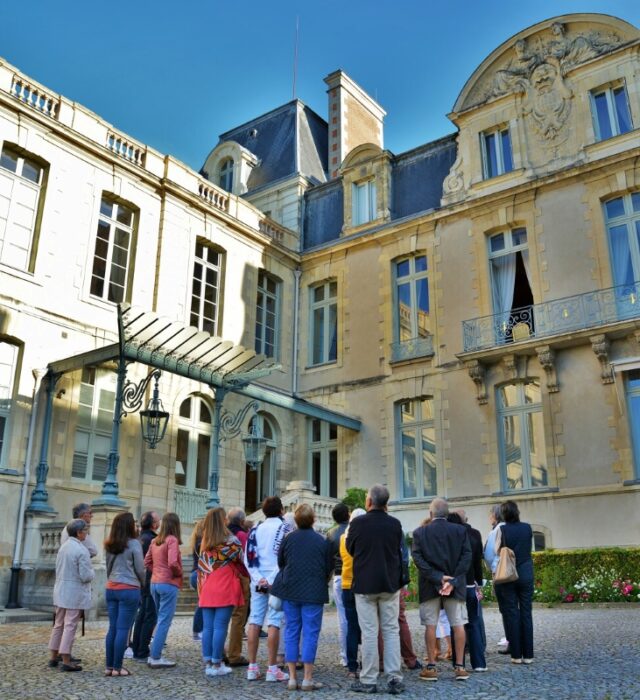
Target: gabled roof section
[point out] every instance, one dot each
(290, 140)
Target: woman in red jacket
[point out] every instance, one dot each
(164, 561)
(218, 586)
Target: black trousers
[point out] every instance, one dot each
(146, 619)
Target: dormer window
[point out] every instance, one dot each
(225, 177)
(496, 152)
(364, 202)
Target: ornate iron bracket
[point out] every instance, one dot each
(133, 394)
(231, 423)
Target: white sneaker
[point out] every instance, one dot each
(197, 636)
(503, 642)
(222, 670)
(276, 674)
(160, 663)
(210, 671)
(253, 673)
(128, 653)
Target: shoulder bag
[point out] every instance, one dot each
(506, 571)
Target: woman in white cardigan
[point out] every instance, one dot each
(71, 594)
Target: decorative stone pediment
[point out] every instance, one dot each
(535, 62)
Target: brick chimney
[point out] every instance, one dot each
(354, 118)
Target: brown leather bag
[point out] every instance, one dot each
(506, 571)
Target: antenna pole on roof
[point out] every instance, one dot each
(295, 57)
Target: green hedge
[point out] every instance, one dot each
(577, 576)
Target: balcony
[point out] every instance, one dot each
(190, 504)
(412, 349)
(576, 313)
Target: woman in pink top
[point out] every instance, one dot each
(164, 561)
(219, 587)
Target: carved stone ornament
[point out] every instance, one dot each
(547, 359)
(454, 181)
(511, 366)
(600, 346)
(477, 373)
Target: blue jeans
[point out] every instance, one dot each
(197, 625)
(515, 600)
(302, 619)
(475, 630)
(353, 629)
(216, 623)
(165, 596)
(121, 608)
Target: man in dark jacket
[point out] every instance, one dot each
(374, 541)
(146, 617)
(442, 553)
(340, 515)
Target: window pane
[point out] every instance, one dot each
(205, 414)
(318, 293)
(404, 312)
(621, 256)
(318, 336)
(124, 215)
(333, 333)
(509, 395)
(537, 455)
(491, 157)
(532, 393)
(9, 160)
(333, 474)
(633, 379)
(422, 294)
(512, 437)
(409, 486)
(507, 160)
(182, 453)
(185, 408)
(602, 115)
(31, 171)
(333, 289)
(316, 430)
(333, 431)
(106, 208)
(614, 207)
(426, 408)
(202, 472)
(421, 263)
(316, 463)
(519, 236)
(496, 243)
(407, 412)
(622, 110)
(429, 461)
(402, 268)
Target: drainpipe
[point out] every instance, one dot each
(296, 322)
(12, 603)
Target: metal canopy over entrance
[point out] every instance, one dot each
(169, 346)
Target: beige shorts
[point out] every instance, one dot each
(456, 611)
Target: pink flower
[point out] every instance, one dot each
(627, 589)
(616, 584)
(568, 598)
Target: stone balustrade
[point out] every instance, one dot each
(214, 195)
(49, 542)
(190, 504)
(272, 229)
(35, 96)
(126, 148)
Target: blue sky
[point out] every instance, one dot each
(175, 74)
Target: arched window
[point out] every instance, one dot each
(225, 177)
(194, 444)
(261, 482)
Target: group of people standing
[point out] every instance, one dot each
(277, 573)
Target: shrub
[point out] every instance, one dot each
(355, 497)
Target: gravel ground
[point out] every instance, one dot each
(581, 654)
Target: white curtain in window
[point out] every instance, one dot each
(504, 277)
(527, 266)
(621, 254)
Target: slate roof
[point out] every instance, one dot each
(289, 140)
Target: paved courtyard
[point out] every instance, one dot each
(581, 654)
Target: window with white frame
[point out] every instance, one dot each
(112, 258)
(623, 227)
(610, 111)
(94, 424)
(323, 457)
(8, 366)
(496, 152)
(193, 444)
(205, 288)
(267, 310)
(416, 446)
(632, 388)
(21, 187)
(511, 284)
(363, 196)
(523, 457)
(225, 176)
(324, 322)
(412, 298)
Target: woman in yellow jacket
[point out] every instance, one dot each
(349, 601)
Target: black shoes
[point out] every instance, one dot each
(395, 686)
(359, 687)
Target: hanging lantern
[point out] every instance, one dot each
(154, 419)
(255, 445)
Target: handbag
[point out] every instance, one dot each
(275, 603)
(506, 571)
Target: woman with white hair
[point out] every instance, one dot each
(71, 594)
(349, 601)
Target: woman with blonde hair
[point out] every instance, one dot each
(219, 587)
(165, 563)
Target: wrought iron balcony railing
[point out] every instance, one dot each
(567, 315)
(412, 349)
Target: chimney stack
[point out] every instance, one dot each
(354, 118)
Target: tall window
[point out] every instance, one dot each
(610, 111)
(523, 457)
(21, 183)
(496, 152)
(261, 482)
(632, 385)
(113, 251)
(8, 364)
(267, 331)
(194, 444)
(364, 202)
(225, 178)
(95, 423)
(623, 226)
(511, 285)
(415, 438)
(412, 298)
(323, 457)
(205, 289)
(324, 323)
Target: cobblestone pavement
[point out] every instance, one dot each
(581, 654)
